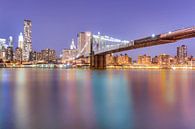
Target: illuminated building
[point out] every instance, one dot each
(191, 62)
(3, 54)
(123, 60)
(84, 41)
(18, 54)
(10, 41)
(72, 46)
(9, 53)
(110, 60)
(165, 60)
(21, 41)
(49, 55)
(182, 54)
(155, 60)
(27, 48)
(68, 55)
(33, 56)
(145, 60)
(39, 56)
(3, 44)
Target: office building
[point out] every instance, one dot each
(9, 53)
(123, 60)
(144, 60)
(164, 59)
(3, 53)
(49, 55)
(182, 54)
(10, 41)
(68, 55)
(33, 56)
(27, 48)
(3, 44)
(21, 41)
(39, 56)
(18, 54)
(110, 60)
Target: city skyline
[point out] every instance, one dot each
(56, 23)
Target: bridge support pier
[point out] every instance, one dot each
(98, 61)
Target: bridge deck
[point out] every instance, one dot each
(166, 38)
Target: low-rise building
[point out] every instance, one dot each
(144, 60)
(123, 60)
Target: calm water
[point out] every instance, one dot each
(85, 99)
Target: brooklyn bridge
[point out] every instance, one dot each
(99, 46)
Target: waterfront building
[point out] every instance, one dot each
(18, 54)
(165, 60)
(3, 54)
(155, 60)
(39, 56)
(27, 45)
(68, 55)
(182, 54)
(123, 60)
(191, 62)
(33, 56)
(144, 60)
(9, 53)
(110, 60)
(3, 44)
(49, 55)
(84, 41)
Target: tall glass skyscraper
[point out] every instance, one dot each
(27, 40)
(20, 41)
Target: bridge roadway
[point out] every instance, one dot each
(170, 37)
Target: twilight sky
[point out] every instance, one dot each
(56, 22)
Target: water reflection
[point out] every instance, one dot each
(85, 99)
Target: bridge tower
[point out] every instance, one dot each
(97, 61)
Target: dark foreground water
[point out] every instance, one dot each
(84, 99)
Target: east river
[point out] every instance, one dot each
(97, 99)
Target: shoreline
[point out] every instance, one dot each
(107, 67)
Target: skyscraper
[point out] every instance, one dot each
(27, 39)
(10, 41)
(9, 53)
(21, 41)
(72, 46)
(3, 44)
(84, 41)
(182, 54)
(18, 54)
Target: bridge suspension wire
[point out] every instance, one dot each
(103, 43)
(79, 54)
(110, 39)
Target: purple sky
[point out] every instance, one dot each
(56, 22)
